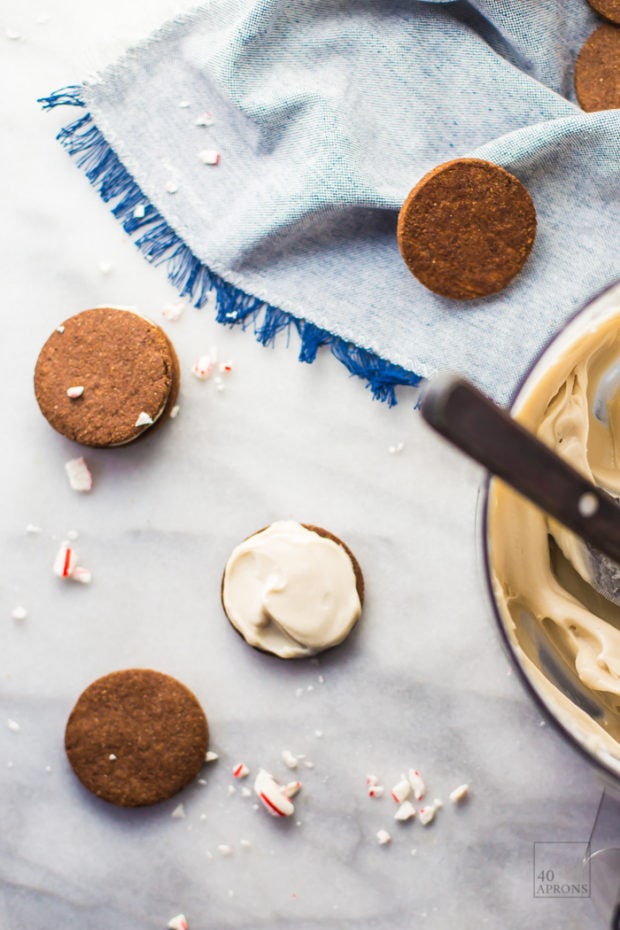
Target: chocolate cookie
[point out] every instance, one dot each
(288, 593)
(597, 70)
(106, 376)
(466, 228)
(136, 737)
(610, 9)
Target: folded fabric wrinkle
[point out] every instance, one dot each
(324, 115)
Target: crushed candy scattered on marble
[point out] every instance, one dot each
(241, 771)
(65, 561)
(178, 923)
(19, 613)
(78, 473)
(245, 844)
(270, 793)
(376, 791)
(13, 725)
(291, 789)
(179, 812)
(417, 783)
(211, 756)
(105, 267)
(225, 850)
(405, 811)
(383, 837)
(426, 814)
(174, 412)
(459, 794)
(246, 792)
(396, 448)
(171, 186)
(401, 791)
(203, 366)
(232, 789)
(184, 104)
(33, 529)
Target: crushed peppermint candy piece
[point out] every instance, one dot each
(401, 791)
(426, 814)
(241, 771)
(203, 367)
(65, 561)
(395, 449)
(405, 812)
(211, 756)
(225, 850)
(417, 783)
(75, 391)
(33, 529)
(219, 384)
(105, 267)
(139, 211)
(13, 726)
(179, 812)
(291, 789)
(246, 793)
(144, 419)
(245, 844)
(232, 789)
(171, 186)
(81, 574)
(72, 535)
(178, 923)
(372, 780)
(376, 791)
(226, 367)
(209, 157)
(60, 329)
(79, 474)
(112, 757)
(383, 837)
(173, 311)
(459, 794)
(272, 796)
(290, 759)
(205, 119)
(437, 804)
(174, 412)
(184, 104)
(12, 34)
(19, 613)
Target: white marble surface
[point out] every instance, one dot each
(423, 681)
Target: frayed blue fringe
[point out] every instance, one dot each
(159, 244)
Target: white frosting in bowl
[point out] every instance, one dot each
(290, 591)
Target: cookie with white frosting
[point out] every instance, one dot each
(292, 589)
(106, 376)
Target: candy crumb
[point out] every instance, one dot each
(13, 725)
(225, 850)
(205, 119)
(144, 419)
(209, 157)
(174, 412)
(75, 391)
(211, 756)
(459, 794)
(376, 791)
(82, 575)
(184, 104)
(401, 791)
(383, 837)
(65, 561)
(173, 311)
(232, 790)
(245, 844)
(291, 789)
(33, 529)
(246, 792)
(203, 367)
(241, 771)
(179, 812)
(272, 796)
(417, 783)
(19, 613)
(105, 267)
(171, 187)
(178, 923)
(372, 780)
(405, 812)
(79, 474)
(290, 759)
(426, 814)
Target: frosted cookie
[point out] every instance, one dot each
(597, 70)
(136, 737)
(292, 589)
(106, 376)
(466, 229)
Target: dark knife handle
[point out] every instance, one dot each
(487, 433)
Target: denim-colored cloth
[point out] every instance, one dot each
(326, 113)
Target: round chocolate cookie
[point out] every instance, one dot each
(286, 593)
(136, 737)
(106, 376)
(466, 228)
(597, 70)
(610, 9)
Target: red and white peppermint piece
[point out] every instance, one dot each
(401, 791)
(81, 574)
(272, 796)
(205, 119)
(178, 923)
(291, 789)
(376, 791)
(173, 311)
(209, 157)
(372, 780)
(459, 794)
(417, 783)
(144, 419)
(426, 814)
(65, 561)
(75, 391)
(226, 367)
(203, 367)
(240, 771)
(405, 812)
(383, 837)
(79, 474)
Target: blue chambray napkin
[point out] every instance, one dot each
(321, 116)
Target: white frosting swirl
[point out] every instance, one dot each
(290, 591)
